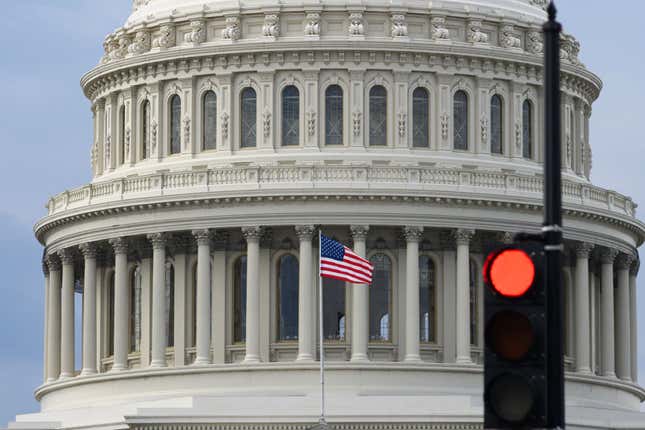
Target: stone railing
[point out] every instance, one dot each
(325, 179)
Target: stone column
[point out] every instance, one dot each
(305, 294)
(607, 258)
(412, 237)
(158, 341)
(623, 324)
(633, 320)
(360, 301)
(582, 333)
(252, 236)
(67, 315)
(121, 304)
(462, 239)
(203, 296)
(46, 320)
(89, 309)
(53, 323)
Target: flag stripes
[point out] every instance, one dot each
(339, 262)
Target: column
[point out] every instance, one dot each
(360, 301)
(633, 313)
(582, 333)
(121, 304)
(46, 318)
(158, 341)
(145, 252)
(67, 315)
(462, 239)
(623, 325)
(89, 309)
(607, 258)
(218, 298)
(203, 297)
(252, 236)
(305, 294)
(53, 323)
(412, 237)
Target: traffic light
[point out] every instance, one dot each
(515, 338)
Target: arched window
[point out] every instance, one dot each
(378, 116)
(209, 121)
(170, 305)
(290, 116)
(527, 129)
(175, 124)
(145, 129)
(460, 119)
(287, 298)
(248, 118)
(122, 134)
(333, 309)
(474, 304)
(135, 309)
(427, 300)
(334, 115)
(496, 125)
(239, 300)
(110, 317)
(381, 298)
(420, 118)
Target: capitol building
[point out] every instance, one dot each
(227, 134)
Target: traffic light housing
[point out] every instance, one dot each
(515, 337)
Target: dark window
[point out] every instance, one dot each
(460, 119)
(381, 298)
(145, 129)
(334, 115)
(496, 124)
(527, 129)
(288, 298)
(333, 309)
(170, 305)
(378, 116)
(249, 118)
(239, 300)
(135, 310)
(427, 300)
(175, 125)
(290, 116)
(474, 300)
(122, 135)
(209, 125)
(420, 118)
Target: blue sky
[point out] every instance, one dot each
(45, 135)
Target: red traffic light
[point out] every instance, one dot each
(511, 272)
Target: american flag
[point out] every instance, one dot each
(339, 262)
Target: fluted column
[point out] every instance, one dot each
(305, 293)
(582, 333)
(158, 343)
(121, 304)
(252, 236)
(203, 298)
(53, 323)
(633, 320)
(67, 315)
(462, 239)
(623, 324)
(89, 309)
(360, 301)
(607, 258)
(412, 237)
(46, 320)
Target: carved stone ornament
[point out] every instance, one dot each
(583, 249)
(356, 27)
(108, 148)
(305, 232)
(402, 123)
(359, 232)
(66, 256)
(89, 250)
(224, 121)
(252, 233)
(311, 123)
(439, 30)
(128, 138)
(444, 125)
(232, 30)
(483, 124)
(569, 150)
(266, 122)
(413, 234)
(141, 43)
(475, 33)
(608, 255)
(535, 42)
(356, 123)
(203, 237)
(271, 27)
(53, 262)
(166, 37)
(507, 39)
(137, 4)
(153, 135)
(463, 236)
(119, 244)
(518, 134)
(312, 25)
(399, 26)
(186, 131)
(197, 33)
(158, 240)
(94, 153)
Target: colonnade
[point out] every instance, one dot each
(617, 332)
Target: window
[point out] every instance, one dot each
(145, 129)
(239, 300)
(420, 118)
(192, 341)
(460, 118)
(122, 135)
(334, 115)
(135, 310)
(496, 125)
(170, 305)
(209, 118)
(474, 303)
(175, 124)
(290, 116)
(378, 116)
(110, 317)
(333, 309)
(248, 118)
(527, 129)
(381, 298)
(287, 298)
(427, 300)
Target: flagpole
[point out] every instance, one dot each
(322, 420)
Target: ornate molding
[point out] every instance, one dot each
(475, 33)
(312, 24)
(66, 256)
(608, 255)
(53, 262)
(232, 31)
(271, 27)
(356, 26)
(463, 236)
(158, 240)
(413, 233)
(439, 29)
(583, 249)
(253, 233)
(197, 33)
(305, 232)
(119, 244)
(203, 237)
(359, 232)
(399, 25)
(89, 250)
(624, 261)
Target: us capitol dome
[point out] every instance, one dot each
(226, 133)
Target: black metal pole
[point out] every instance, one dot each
(552, 228)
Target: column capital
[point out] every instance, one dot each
(359, 232)
(506, 237)
(45, 267)
(608, 255)
(624, 261)
(305, 232)
(253, 233)
(583, 249)
(158, 240)
(66, 256)
(89, 249)
(412, 233)
(633, 270)
(463, 236)
(119, 244)
(203, 237)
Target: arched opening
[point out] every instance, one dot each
(248, 118)
(460, 120)
(378, 116)
(496, 125)
(420, 118)
(175, 124)
(290, 116)
(145, 129)
(334, 115)
(527, 129)
(209, 121)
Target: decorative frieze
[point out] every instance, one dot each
(271, 27)
(535, 43)
(475, 33)
(232, 31)
(312, 24)
(356, 26)
(439, 29)
(508, 39)
(197, 33)
(166, 38)
(399, 26)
